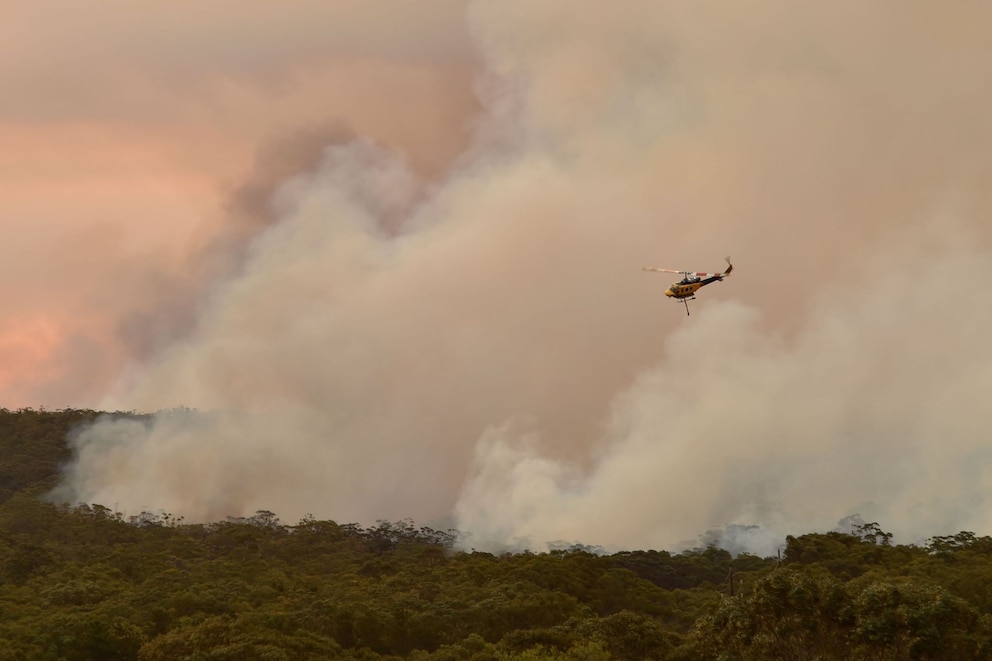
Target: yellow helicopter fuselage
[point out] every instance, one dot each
(682, 290)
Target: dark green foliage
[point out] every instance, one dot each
(806, 613)
(85, 582)
(691, 569)
(789, 614)
(33, 447)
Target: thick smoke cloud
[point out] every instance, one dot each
(128, 130)
(481, 347)
(875, 407)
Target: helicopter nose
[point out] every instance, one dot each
(668, 292)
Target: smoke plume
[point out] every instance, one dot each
(477, 344)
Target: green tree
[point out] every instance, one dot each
(909, 620)
(791, 615)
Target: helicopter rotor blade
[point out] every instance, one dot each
(659, 270)
(691, 274)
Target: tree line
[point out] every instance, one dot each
(81, 581)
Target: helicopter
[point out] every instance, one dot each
(685, 289)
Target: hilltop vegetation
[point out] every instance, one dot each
(84, 582)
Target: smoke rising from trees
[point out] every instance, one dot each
(480, 346)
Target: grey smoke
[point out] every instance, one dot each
(485, 346)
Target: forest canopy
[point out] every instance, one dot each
(83, 581)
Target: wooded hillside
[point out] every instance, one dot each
(84, 582)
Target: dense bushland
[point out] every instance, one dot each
(84, 582)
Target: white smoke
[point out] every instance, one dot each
(485, 346)
(874, 407)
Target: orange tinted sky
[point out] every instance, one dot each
(126, 129)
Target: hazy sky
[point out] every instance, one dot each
(394, 252)
(128, 131)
